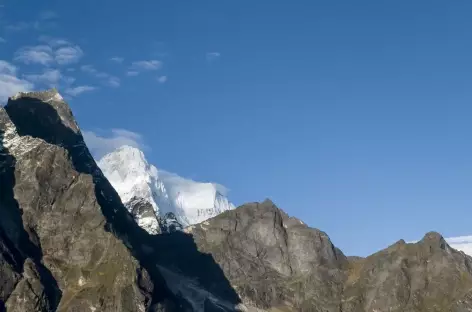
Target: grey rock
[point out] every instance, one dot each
(278, 263)
(67, 242)
(274, 260)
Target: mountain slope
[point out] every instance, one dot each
(133, 177)
(67, 243)
(277, 262)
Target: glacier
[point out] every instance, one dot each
(191, 202)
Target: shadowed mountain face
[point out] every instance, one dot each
(67, 243)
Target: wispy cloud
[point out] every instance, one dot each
(68, 55)
(117, 59)
(75, 91)
(162, 79)
(54, 42)
(102, 142)
(45, 54)
(10, 83)
(46, 19)
(113, 82)
(88, 69)
(147, 65)
(178, 182)
(47, 15)
(2, 40)
(50, 78)
(107, 79)
(212, 56)
(140, 66)
(132, 73)
(19, 26)
(41, 54)
(7, 68)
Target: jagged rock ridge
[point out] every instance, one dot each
(277, 262)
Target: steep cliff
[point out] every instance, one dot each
(67, 243)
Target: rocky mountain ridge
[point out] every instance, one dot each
(67, 243)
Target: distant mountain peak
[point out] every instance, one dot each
(187, 201)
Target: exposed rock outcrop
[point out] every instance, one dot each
(144, 214)
(67, 243)
(277, 262)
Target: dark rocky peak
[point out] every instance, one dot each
(67, 243)
(24, 103)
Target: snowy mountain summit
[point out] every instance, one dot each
(174, 199)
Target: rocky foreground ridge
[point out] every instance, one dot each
(67, 243)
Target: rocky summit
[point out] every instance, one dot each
(67, 243)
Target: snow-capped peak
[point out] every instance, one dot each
(189, 201)
(131, 175)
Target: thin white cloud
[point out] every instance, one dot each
(212, 56)
(132, 73)
(162, 79)
(54, 42)
(105, 142)
(113, 82)
(58, 51)
(41, 54)
(146, 65)
(2, 40)
(51, 78)
(75, 91)
(47, 15)
(18, 26)
(68, 55)
(107, 79)
(68, 80)
(174, 181)
(7, 68)
(88, 69)
(10, 84)
(117, 59)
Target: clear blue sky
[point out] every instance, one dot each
(354, 116)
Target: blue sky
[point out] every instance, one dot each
(351, 115)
